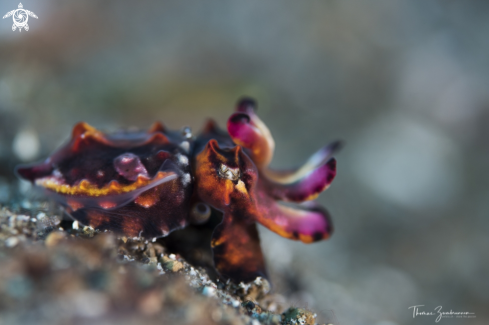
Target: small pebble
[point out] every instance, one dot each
(54, 238)
(11, 242)
(209, 291)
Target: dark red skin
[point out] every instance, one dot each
(145, 184)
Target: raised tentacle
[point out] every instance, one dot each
(247, 130)
(305, 188)
(319, 159)
(307, 223)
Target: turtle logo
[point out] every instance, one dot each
(20, 16)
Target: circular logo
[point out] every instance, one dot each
(20, 17)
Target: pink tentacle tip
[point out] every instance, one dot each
(246, 105)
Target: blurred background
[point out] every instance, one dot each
(402, 82)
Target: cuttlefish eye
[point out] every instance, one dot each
(200, 213)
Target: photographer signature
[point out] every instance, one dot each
(440, 314)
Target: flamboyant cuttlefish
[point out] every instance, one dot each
(147, 184)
